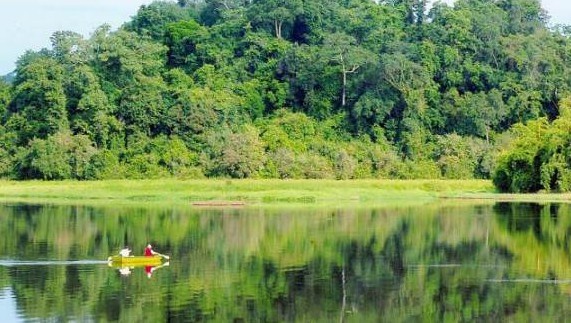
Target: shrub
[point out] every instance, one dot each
(315, 167)
(105, 165)
(518, 168)
(420, 169)
(241, 154)
(345, 165)
(281, 164)
(59, 156)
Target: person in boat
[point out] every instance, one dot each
(125, 252)
(149, 252)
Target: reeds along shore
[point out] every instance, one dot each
(240, 192)
(252, 193)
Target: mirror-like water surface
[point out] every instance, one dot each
(438, 262)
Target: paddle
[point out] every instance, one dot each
(164, 256)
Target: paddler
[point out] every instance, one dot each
(149, 252)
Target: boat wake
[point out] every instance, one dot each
(19, 263)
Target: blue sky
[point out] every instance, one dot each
(28, 24)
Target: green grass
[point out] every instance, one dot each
(255, 192)
(252, 192)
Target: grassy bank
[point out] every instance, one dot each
(249, 192)
(257, 192)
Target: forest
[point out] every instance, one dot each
(337, 89)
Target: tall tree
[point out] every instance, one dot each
(88, 105)
(39, 98)
(5, 95)
(275, 13)
(69, 48)
(343, 50)
(151, 19)
(121, 56)
(414, 11)
(184, 40)
(524, 16)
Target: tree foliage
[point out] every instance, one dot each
(295, 88)
(540, 156)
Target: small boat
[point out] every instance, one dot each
(135, 260)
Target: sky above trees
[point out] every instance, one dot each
(28, 24)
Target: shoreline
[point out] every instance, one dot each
(254, 193)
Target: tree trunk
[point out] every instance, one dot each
(344, 93)
(278, 26)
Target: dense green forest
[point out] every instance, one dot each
(291, 89)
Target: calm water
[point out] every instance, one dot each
(436, 262)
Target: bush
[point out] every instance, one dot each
(105, 165)
(420, 169)
(236, 154)
(281, 164)
(60, 156)
(144, 166)
(460, 157)
(518, 169)
(453, 167)
(6, 164)
(315, 167)
(386, 163)
(555, 174)
(345, 165)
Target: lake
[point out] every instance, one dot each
(440, 261)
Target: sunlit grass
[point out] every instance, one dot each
(255, 192)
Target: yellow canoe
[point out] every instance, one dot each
(135, 260)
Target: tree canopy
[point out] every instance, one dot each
(289, 88)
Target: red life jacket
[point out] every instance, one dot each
(148, 252)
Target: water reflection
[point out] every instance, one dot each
(127, 270)
(435, 262)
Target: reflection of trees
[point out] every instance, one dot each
(441, 262)
(539, 237)
(520, 217)
(394, 250)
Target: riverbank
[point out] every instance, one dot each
(200, 193)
